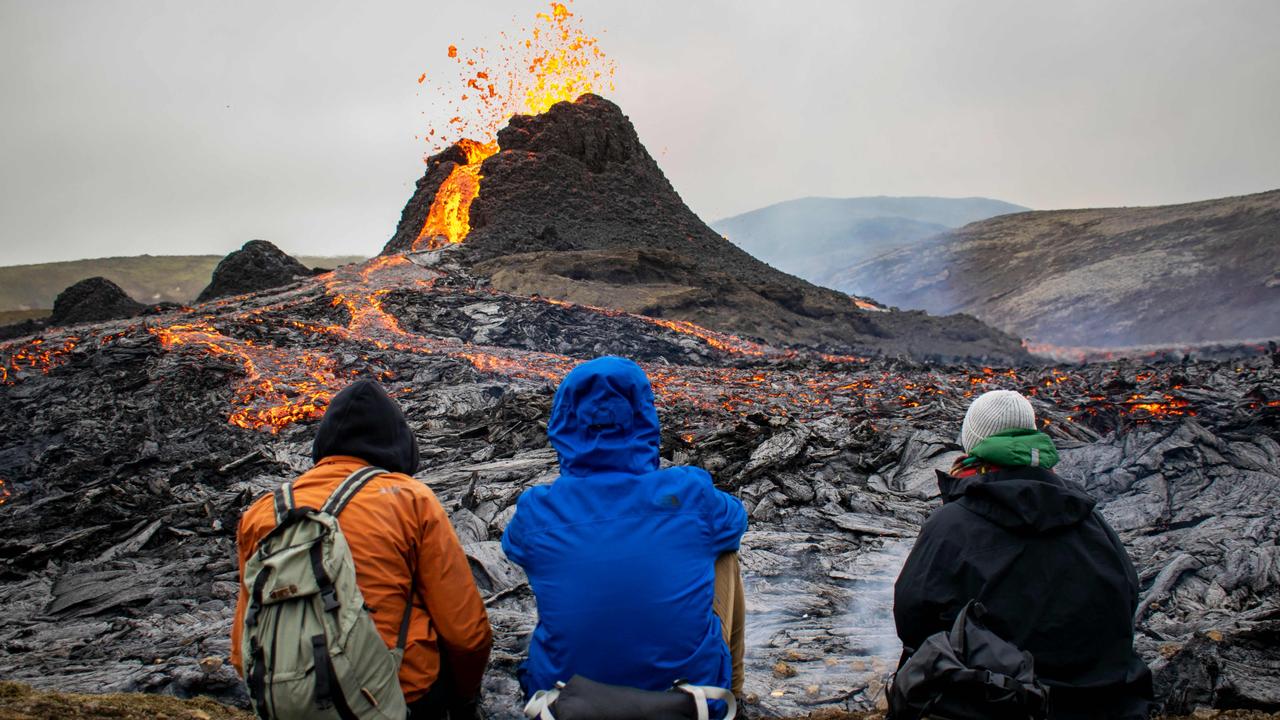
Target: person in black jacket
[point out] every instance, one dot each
(1053, 575)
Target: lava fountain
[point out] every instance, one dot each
(557, 61)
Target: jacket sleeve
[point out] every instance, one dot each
(453, 603)
(931, 588)
(1122, 554)
(725, 516)
(513, 536)
(244, 547)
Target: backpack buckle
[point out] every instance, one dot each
(330, 599)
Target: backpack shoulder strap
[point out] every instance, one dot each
(348, 489)
(283, 501)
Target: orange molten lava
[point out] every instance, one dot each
(265, 366)
(449, 219)
(36, 355)
(557, 61)
(4, 493)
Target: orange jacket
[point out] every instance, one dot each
(394, 525)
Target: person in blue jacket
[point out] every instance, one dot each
(622, 556)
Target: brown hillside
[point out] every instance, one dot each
(1199, 272)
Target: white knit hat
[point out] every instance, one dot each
(994, 412)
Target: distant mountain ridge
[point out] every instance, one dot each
(813, 236)
(146, 278)
(1198, 272)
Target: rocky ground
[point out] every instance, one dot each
(21, 702)
(128, 450)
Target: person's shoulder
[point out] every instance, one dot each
(534, 495)
(259, 517)
(948, 516)
(689, 474)
(404, 483)
(409, 494)
(691, 482)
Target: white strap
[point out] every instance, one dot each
(539, 705)
(700, 694)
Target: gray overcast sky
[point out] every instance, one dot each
(190, 127)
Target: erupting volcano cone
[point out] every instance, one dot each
(571, 206)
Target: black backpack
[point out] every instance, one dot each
(968, 673)
(585, 699)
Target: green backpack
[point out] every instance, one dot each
(311, 649)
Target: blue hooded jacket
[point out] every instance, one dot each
(621, 555)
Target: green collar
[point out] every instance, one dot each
(1015, 448)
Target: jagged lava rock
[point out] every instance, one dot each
(573, 207)
(94, 299)
(258, 265)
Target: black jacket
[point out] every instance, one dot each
(1053, 575)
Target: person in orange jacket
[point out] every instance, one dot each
(399, 537)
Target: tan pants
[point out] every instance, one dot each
(730, 606)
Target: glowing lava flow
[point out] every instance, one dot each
(265, 398)
(558, 61)
(37, 354)
(449, 219)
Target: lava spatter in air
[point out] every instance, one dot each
(555, 60)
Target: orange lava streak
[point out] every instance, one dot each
(449, 219)
(267, 399)
(37, 355)
(4, 493)
(720, 341)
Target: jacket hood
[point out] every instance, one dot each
(1017, 447)
(365, 422)
(1025, 500)
(603, 419)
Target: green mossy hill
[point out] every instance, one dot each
(21, 702)
(9, 317)
(146, 278)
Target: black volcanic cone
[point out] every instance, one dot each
(258, 265)
(95, 299)
(574, 207)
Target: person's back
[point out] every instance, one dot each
(400, 540)
(1054, 577)
(620, 554)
